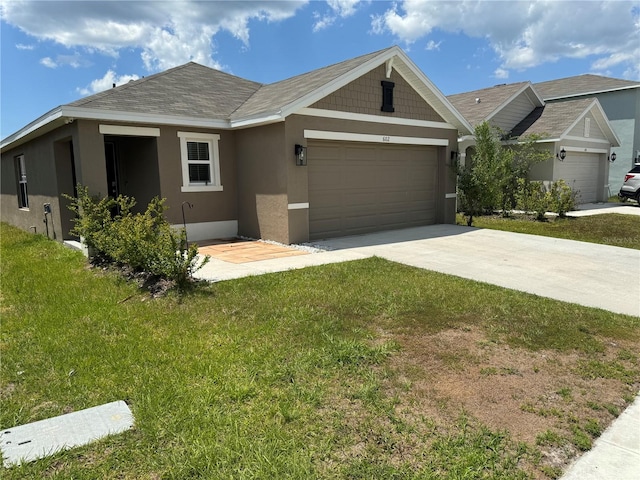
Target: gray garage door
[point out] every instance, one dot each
(360, 188)
(580, 171)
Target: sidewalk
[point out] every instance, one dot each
(616, 454)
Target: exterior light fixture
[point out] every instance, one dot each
(562, 155)
(301, 155)
(613, 157)
(454, 155)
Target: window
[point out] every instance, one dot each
(387, 96)
(21, 170)
(200, 162)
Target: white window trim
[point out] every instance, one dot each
(22, 168)
(212, 139)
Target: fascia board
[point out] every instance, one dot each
(594, 92)
(445, 109)
(136, 117)
(38, 123)
(339, 82)
(504, 104)
(607, 131)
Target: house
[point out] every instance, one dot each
(355, 147)
(620, 100)
(576, 133)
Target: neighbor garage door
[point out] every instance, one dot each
(360, 188)
(580, 171)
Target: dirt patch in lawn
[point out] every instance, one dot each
(554, 402)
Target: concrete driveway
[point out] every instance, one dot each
(584, 273)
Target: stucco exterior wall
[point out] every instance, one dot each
(43, 186)
(263, 176)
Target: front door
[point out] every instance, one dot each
(112, 169)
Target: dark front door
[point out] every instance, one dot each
(112, 169)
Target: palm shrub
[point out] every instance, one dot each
(145, 242)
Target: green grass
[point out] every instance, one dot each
(276, 376)
(609, 229)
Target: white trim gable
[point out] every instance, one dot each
(528, 91)
(601, 121)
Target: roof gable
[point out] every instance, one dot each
(281, 99)
(502, 105)
(556, 120)
(579, 85)
(199, 96)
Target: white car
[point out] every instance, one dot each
(631, 186)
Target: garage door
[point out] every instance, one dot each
(580, 171)
(360, 188)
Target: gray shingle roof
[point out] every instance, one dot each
(193, 90)
(274, 96)
(190, 90)
(580, 85)
(553, 119)
(488, 99)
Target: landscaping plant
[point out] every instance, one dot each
(145, 242)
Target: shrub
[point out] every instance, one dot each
(532, 197)
(145, 242)
(561, 198)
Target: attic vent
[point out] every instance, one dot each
(387, 96)
(587, 127)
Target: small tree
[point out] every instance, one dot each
(481, 179)
(496, 173)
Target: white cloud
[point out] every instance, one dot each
(167, 33)
(48, 62)
(106, 82)
(338, 9)
(21, 46)
(501, 73)
(76, 60)
(527, 34)
(431, 45)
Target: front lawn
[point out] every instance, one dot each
(608, 229)
(364, 369)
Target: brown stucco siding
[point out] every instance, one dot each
(262, 174)
(45, 178)
(207, 206)
(364, 95)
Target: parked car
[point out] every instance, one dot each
(631, 186)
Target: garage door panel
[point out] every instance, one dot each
(580, 171)
(361, 188)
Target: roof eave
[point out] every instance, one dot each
(42, 122)
(594, 92)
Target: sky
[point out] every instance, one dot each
(55, 52)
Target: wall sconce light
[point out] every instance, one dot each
(454, 155)
(562, 155)
(613, 157)
(301, 155)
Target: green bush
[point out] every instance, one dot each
(532, 197)
(561, 198)
(145, 242)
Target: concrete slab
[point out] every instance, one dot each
(616, 454)
(35, 440)
(627, 208)
(578, 272)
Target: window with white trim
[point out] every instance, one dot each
(21, 171)
(200, 162)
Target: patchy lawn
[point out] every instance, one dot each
(363, 369)
(609, 229)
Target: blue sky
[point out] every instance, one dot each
(54, 52)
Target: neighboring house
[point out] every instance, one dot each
(355, 147)
(577, 128)
(620, 100)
